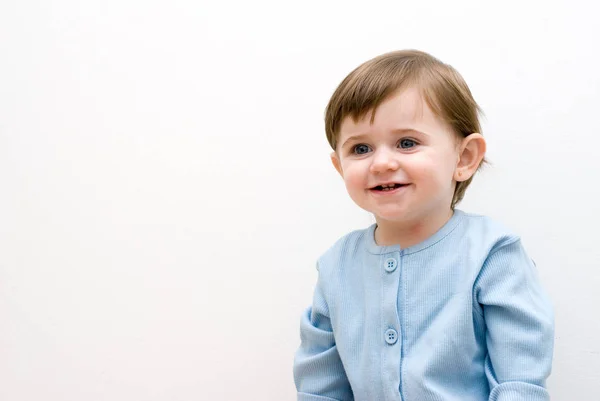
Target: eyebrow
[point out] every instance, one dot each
(354, 138)
(359, 137)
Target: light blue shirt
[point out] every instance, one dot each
(459, 317)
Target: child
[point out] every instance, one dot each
(429, 303)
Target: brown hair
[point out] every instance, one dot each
(442, 87)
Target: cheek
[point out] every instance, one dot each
(435, 170)
(355, 176)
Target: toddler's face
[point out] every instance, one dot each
(408, 149)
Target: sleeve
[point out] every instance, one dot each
(318, 371)
(519, 322)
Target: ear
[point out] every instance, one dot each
(471, 152)
(335, 160)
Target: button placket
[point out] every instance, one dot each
(391, 277)
(390, 265)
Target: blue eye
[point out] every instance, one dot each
(360, 149)
(407, 143)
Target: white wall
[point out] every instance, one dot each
(166, 187)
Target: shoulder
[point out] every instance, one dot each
(346, 249)
(497, 251)
(485, 233)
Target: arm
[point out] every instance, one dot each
(318, 371)
(519, 325)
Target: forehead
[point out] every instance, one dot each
(405, 109)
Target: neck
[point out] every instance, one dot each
(410, 232)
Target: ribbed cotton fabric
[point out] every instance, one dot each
(459, 317)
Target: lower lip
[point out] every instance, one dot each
(389, 191)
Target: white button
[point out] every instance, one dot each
(391, 336)
(390, 265)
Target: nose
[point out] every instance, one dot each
(384, 160)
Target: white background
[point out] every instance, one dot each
(166, 186)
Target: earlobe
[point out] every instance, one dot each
(472, 152)
(335, 160)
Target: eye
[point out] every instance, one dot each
(360, 149)
(407, 143)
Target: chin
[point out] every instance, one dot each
(392, 219)
(392, 215)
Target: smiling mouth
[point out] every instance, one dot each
(387, 188)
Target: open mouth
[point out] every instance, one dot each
(388, 187)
